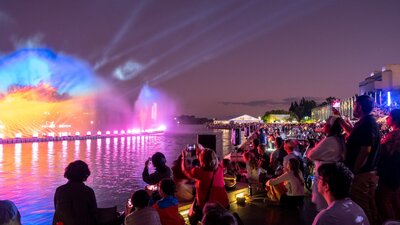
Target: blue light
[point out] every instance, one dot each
(389, 99)
(30, 67)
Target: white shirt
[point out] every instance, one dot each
(330, 149)
(288, 157)
(145, 216)
(342, 212)
(293, 184)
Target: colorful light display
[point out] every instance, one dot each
(43, 93)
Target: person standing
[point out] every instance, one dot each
(388, 192)
(328, 150)
(361, 155)
(209, 178)
(334, 182)
(74, 202)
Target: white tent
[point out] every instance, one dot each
(245, 119)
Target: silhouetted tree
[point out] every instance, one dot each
(303, 108)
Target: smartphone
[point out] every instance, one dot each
(130, 203)
(191, 147)
(152, 187)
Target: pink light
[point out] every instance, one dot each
(162, 127)
(98, 132)
(135, 131)
(108, 132)
(122, 132)
(115, 132)
(77, 133)
(88, 133)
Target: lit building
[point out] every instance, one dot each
(383, 86)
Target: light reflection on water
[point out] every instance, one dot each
(30, 172)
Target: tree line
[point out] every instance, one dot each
(300, 111)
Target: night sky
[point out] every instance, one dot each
(215, 58)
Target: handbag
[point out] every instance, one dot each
(196, 212)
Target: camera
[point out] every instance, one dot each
(130, 203)
(191, 147)
(153, 187)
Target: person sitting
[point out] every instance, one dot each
(263, 164)
(167, 206)
(276, 158)
(215, 214)
(254, 145)
(9, 214)
(230, 175)
(293, 182)
(139, 212)
(290, 148)
(161, 169)
(251, 167)
(74, 202)
(334, 182)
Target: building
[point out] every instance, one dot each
(383, 86)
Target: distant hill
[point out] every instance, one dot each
(186, 119)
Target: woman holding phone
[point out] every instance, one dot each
(209, 179)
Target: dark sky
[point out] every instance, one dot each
(215, 58)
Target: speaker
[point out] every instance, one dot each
(208, 141)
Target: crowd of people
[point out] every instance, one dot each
(367, 162)
(356, 178)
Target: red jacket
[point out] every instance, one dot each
(168, 210)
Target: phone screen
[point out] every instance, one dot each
(191, 147)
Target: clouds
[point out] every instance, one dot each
(33, 41)
(272, 103)
(129, 70)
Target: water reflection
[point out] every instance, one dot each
(30, 172)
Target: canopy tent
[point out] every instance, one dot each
(245, 119)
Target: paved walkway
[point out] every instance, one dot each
(258, 212)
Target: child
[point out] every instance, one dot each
(167, 206)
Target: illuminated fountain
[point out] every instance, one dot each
(44, 94)
(147, 108)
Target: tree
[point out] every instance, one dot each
(302, 109)
(269, 116)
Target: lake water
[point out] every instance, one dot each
(30, 172)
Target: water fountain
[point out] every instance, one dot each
(48, 95)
